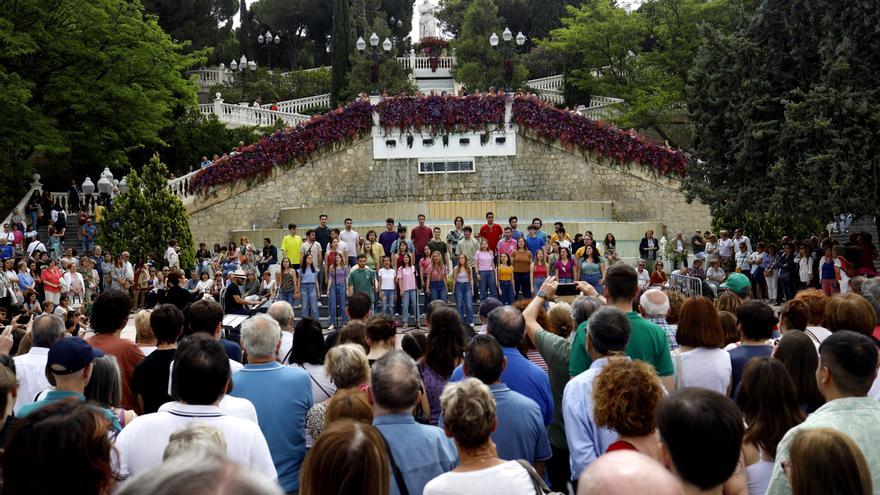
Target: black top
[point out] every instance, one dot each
(150, 379)
(177, 296)
(232, 307)
(322, 235)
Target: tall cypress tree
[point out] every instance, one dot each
(340, 50)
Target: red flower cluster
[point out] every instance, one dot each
(596, 137)
(432, 46)
(284, 148)
(438, 114)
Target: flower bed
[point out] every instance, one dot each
(437, 114)
(596, 137)
(433, 48)
(283, 148)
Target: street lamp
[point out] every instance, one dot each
(508, 49)
(240, 66)
(374, 57)
(268, 42)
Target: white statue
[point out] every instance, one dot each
(427, 21)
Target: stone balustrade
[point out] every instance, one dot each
(300, 105)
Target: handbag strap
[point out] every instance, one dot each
(678, 371)
(398, 476)
(541, 487)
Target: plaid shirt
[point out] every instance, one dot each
(669, 330)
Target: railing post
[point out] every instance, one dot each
(218, 105)
(412, 59)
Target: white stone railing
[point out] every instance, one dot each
(552, 83)
(413, 62)
(300, 104)
(180, 186)
(243, 115)
(602, 101)
(211, 76)
(551, 95)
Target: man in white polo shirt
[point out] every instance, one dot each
(30, 368)
(201, 377)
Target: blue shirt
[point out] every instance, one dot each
(422, 452)
(54, 396)
(739, 357)
(520, 433)
(411, 249)
(386, 239)
(233, 350)
(516, 234)
(281, 395)
(308, 276)
(586, 441)
(523, 376)
(535, 243)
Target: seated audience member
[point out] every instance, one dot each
(469, 418)
(847, 368)
(199, 473)
(607, 336)
(824, 461)
(520, 431)
(625, 396)
(507, 325)
(797, 352)
(770, 408)
(281, 395)
(701, 434)
(71, 437)
(420, 452)
(30, 368)
(700, 360)
(199, 380)
(350, 457)
(627, 473)
(150, 380)
(195, 438)
(755, 320)
(109, 316)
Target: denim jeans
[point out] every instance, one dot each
(506, 287)
(336, 304)
(286, 296)
(410, 300)
(593, 279)
(388, 301)
(87, 245)
(487, 284)
(309, 295)
(438, 290)
(463, 302)
(522, 285)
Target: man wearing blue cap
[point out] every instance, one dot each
(69, 368)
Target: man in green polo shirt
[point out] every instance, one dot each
(363, 279)
(647, 341)
(69, 368)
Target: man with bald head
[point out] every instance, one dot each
(282, 312)
(627, 472)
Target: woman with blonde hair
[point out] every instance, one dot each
(463, 278)
(823, 461)
(559, 320)
(144, 337)
(349, 457)
(469, 418)
(347, 366)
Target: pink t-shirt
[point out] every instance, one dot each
(407, 276)
(506, 246)
(485, 261)
(424, 265)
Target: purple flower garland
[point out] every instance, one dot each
(436, 114)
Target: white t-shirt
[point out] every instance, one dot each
(142, 442)
(644, 279)
(322, 385)
(821, 333)
(236, 407)
(286, 345)
(703, 367)
(349, 237)
(725, 247)
(30, 370)
(509, 478)
(387, 276)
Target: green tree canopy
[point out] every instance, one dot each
(786, 115)
(91, 81)
(146, 217)
(340, 50)
(478, 64)
(203, 23)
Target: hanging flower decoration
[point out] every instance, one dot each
(597, 137)
(437, 115)
(433, 48)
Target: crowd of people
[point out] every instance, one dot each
(558, 365)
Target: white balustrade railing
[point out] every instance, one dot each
(602, 101)
(301, 104)
(553, 96)
(210, 76)
(552, 83)
(180, 186)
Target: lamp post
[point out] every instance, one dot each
(268, 42)
(241, 66)
(374, 57)
(507, 49)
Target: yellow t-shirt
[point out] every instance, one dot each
(291, 245)
(580, 252)
(505, 272)
(99, 213)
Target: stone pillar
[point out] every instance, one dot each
(218, 105)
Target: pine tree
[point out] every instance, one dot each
(146, 217)
(340, 49)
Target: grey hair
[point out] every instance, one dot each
(654, 303)
(199, 473)
(105, 384)
(583, 307)
(347, 365)
(468, 412)
(395, 381)
(282, 312)
(195, 437)
(47, 330)
(871, 292)
(260, 335)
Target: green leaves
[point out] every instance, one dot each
(479, 65)
(145, 218)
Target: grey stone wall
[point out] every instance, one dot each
(539, 171)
